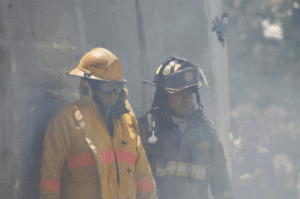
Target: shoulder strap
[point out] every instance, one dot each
(80, 120)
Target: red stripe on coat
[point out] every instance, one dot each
(123, 156)
(51, 185)
(108, 156)
(81, 160)
(145, 185)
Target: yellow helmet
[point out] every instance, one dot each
(99, 64)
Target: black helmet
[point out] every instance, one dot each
(173, 75)
(176, 74)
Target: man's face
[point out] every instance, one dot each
(108, 100)
(181, 102)
(108, 92)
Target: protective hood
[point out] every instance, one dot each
(121, 106)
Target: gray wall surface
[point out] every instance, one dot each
(41, 40)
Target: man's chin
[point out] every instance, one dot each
(187, 109)
(183, 113)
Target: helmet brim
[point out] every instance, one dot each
(149, 82)
(171, 90)
(80, 73)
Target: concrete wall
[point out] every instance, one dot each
(41, 40)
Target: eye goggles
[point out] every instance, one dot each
(109, 87)
(106, 87)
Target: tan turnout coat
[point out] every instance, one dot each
(82, 161)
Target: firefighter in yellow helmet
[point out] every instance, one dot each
(92, 148)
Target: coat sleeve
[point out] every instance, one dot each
(56, 149)
(145, 183)
(217, 170)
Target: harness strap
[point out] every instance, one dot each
(81, 122)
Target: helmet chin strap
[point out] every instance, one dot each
(157, 106)
(200, 106)
(151, 125)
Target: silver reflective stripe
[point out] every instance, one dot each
(169, 170)
(79, 118)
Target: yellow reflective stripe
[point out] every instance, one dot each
(182, 169)
(192, 170)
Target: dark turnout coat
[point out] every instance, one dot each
(184, 164)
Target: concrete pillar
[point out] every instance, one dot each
(221, 81)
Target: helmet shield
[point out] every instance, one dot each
(182, 79)
(176, 74)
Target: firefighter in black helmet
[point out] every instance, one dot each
(182, 145)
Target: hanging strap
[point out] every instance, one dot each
(80, 120)
(200, 106)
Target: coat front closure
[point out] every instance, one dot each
(107, 151)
